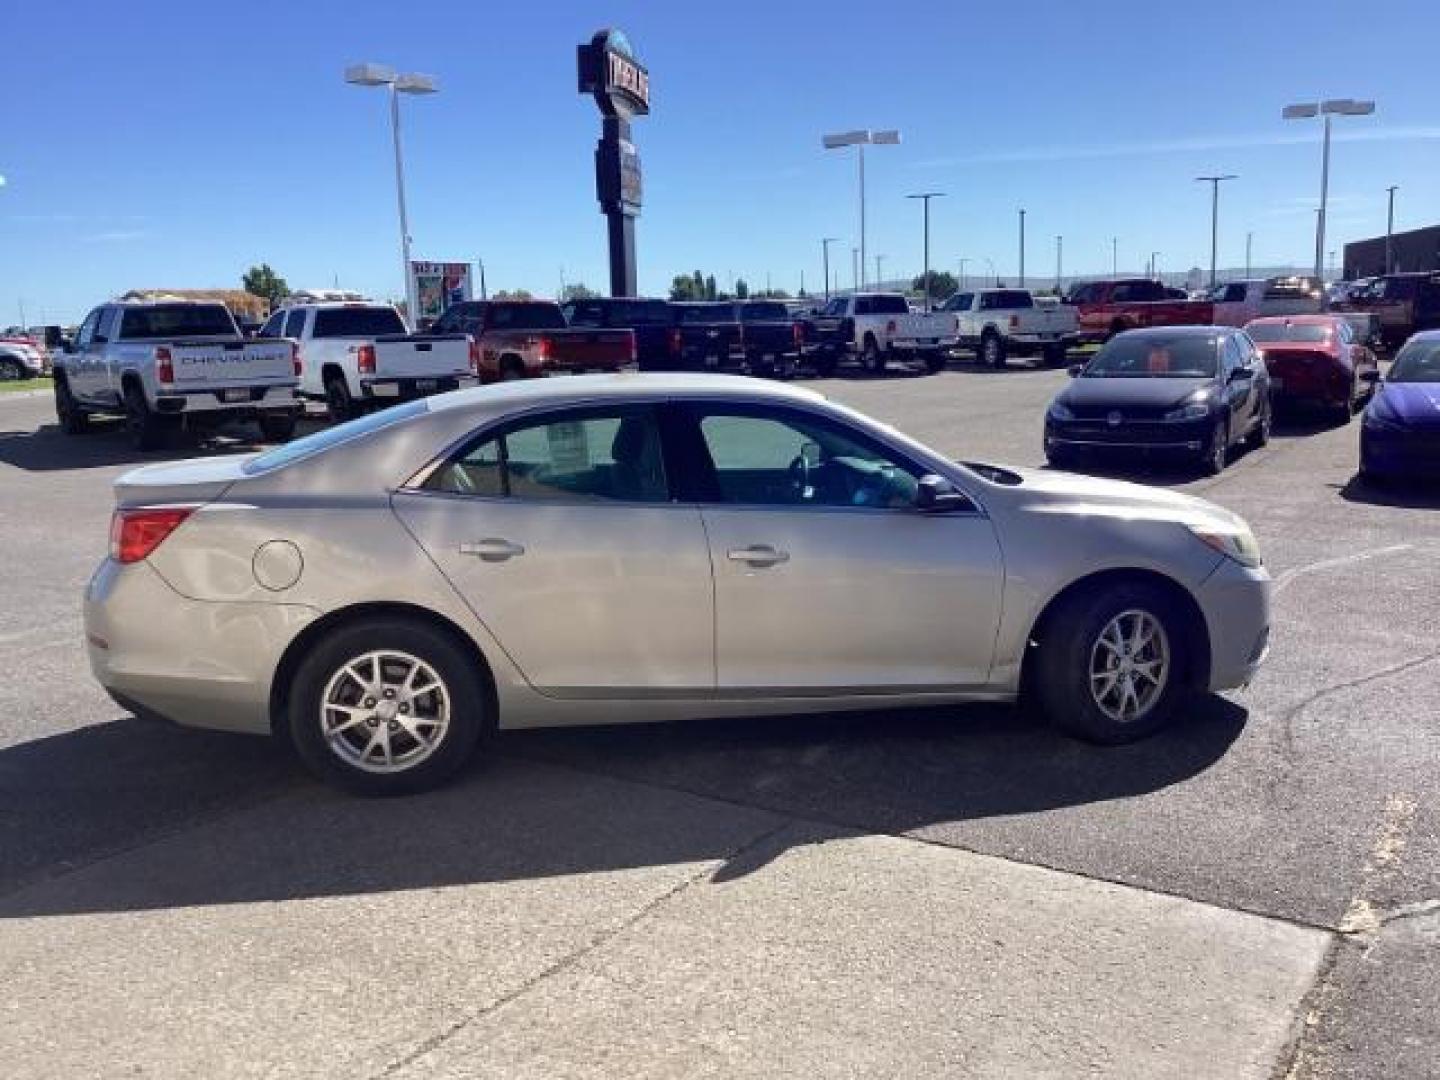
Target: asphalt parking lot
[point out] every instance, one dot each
(1255, 893)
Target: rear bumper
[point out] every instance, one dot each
(200, 664)
(231, 399)
(1235, 601)
(410, 387)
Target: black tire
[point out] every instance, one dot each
(1260, 436)
(73, 419)
(512, 369)
(992, 349)
(872, 359)
(935, 363)
(468, 706)
(12, 370)
(825, 363)
(1216, 454)
(760, 367)
(1055, 355)
(278, 427)
(147, 431)
(338, 402)
(1060, 459)
(1069, 651)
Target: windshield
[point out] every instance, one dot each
(325, 438)
(362, 322)
(703, 313)
(507, 316)
(1262, 332)
(1155, 356)
(1419, 361)
(177, 321)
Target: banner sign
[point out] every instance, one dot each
(437, 285)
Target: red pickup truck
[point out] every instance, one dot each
(1107, 308)
(524, 339)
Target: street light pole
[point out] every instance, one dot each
(1022, 249)
(1114, 257)
(1326, 109)
(879, 274)
(925, 197)
(1215, 182)
(860, 139)
(1059, 261)
(825, 242)
(962, 261)
(1390, 232)
(379, 75)
(855, 268)
(1249, 239)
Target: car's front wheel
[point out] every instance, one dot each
(1217, 451)
(1111, 664)
(386, 706)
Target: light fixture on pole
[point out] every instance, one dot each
(1390, 231)
(925, 197)
(380, 75)
(1308, 111)
(1022, 249)
(860, 139)
(825, 242)
(1214, 182)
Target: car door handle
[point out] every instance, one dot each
(758, 555)
(492, 549)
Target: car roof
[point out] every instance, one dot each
(576, 389)
(1311, 317)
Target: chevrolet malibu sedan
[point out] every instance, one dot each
(1315, 359)
(1400, 432)
(1183, 392)
(647, 547)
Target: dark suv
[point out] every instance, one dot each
(649, 319)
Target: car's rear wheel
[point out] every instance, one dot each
(872, 359)
(278, 427)
(386, 706)
(147, 430)
(992, 350)
(934, 362)
(11, 369)
(1110, 664)
(73, 419)
(338, 402)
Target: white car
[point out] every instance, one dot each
(359, 354)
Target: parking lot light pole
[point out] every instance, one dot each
(1059, 261)
(825, 242)
(1390, 231)
(1214, 182)
(1249, 240)
(1308, 111)
(879, 274)
(1022, 249)
(855, 268)
(379, 75)
(860, 139)
(925, 197)
(962, 261)
(1114, 257)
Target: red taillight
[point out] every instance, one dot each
(295, 361)
(164, 366)
(797, 331)
(474, 357)
(677, 341)
(544, 347)
(890, 327)
(365, 359)
(134, 534)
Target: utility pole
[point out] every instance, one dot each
(1215, 182)
(879, 273)
(825, 242)
(926, 196)
(963, 279)
(483, 294)
(855, 267)
(1390, 231)
(1114, 257)
(1059, 261)
(1022, 249)
(1249, 240)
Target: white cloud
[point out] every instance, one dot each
(116, 236)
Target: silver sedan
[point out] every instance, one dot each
(647, 547)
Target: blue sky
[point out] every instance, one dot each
(157, 144)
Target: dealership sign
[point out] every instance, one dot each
(437, 285)
(610, 71)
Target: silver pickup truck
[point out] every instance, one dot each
(164, 364)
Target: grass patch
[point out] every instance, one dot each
(14, 386)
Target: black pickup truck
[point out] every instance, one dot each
(706, 336)
(649, 319)
(770, 336)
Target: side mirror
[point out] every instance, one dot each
(936, 495)
(1075, 369)
(1371, 376)
(66, 345)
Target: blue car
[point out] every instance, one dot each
(1400, 434)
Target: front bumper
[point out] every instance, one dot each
(1235, 601)
(1156, 438)
(1400, 451)
(250, 400)
(196, 663)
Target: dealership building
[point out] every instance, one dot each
(1418, 249)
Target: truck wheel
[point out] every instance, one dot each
(872, 359)
(511, 369)
(934, 363)
(338, 401)
(825, 363)
(1055, 355)
(278, 427)
(11, 369)
(73, 419)
(147, 431)
(992, 349)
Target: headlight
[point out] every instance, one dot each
(1378, 416)
(1196, 407)
(1238, 543)
(1060, 411)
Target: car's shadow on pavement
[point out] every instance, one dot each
(211, 819)
(48, 449)
(1409, 494)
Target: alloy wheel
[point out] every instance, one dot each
(1129, 665)
(384, 712)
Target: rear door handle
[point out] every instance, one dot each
(758, 555)
(492, 549)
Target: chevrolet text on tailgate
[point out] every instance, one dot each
(163, 364)
(359, 354)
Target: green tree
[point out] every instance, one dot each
(942, 284)
(262, 281)
(709, 292)
(742, 290)
(700, 291)
(577, 291)
(516, 294)
(682, 287)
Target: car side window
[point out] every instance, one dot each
(596, 456)
(87, 329)
(759, 457)
(295, 323)
(105, 327)
(272, 325)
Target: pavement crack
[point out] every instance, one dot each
(570, 960)
(1293, 713)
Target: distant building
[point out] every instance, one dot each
(1417, 249)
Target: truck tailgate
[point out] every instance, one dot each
(582, 348)
(933, 329)
(203, 364)
(422, 356)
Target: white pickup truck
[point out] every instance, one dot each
(359, 354)
(997, 323)
(877, 327)
(164, 364)
(1239, 302)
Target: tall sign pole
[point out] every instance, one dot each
(610, 72)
